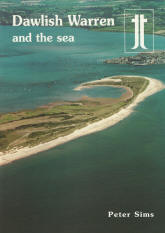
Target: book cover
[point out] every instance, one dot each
(82, 117)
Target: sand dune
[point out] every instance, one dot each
(153, 87)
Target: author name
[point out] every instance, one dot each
(136, 214)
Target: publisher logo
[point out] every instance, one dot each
(141, 23)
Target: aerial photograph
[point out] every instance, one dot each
(82, 116)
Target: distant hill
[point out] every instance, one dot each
(87, 8)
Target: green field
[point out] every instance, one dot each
(115, 9)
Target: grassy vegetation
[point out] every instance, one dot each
(29, 128)
(88, 8)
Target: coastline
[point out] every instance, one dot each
(128, 89)
(153, 87)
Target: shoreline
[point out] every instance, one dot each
(128, 89)
(153, 87)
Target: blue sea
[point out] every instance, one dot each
(70, 189)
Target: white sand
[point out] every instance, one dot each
(80, 87)
(153, 87)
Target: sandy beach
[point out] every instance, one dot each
(153, 87)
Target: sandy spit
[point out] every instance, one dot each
(153, 87)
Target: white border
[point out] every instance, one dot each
(125, 51)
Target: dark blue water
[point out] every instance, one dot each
(70, 189)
